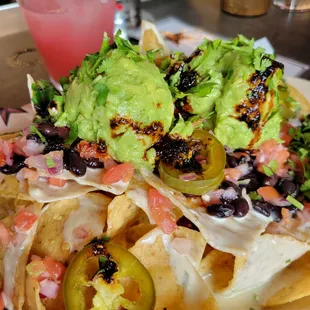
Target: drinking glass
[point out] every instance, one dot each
(293, 5)
(65, 30)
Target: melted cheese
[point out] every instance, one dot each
(41, 191)
(232, 235)
(11, 260)
(90, 216)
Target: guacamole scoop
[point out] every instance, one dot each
(121, 98)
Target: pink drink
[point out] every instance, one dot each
(66, 30)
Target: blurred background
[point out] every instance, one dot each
(280, 25)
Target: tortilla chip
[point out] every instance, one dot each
(9, 187)
(32, 295)
(220, 266)
(59, 219)
(292, 284)
(41, 191)
(233, 235)
(299, 97)
(170, 269)
(151, 39)
(122, 212)
(300, 304)
(14, 269)
(269, 256)
(138, 193)
(49, 238)
(128, 238)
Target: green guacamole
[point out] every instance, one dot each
(125, 102)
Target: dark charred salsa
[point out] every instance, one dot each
(250, 110)
(155, 129)
(179, 153)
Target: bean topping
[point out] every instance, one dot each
(241, 207)
(221, 211)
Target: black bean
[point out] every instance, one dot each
(287, 187)
(93, 163)
(271, 181)
(34, 137)
(256, 180)
(232, 161)
(48, 129)
(63, 132)
(18, 164)
(221, 211)
(227, 184)
(76, 164)
(262, 208)
(275, 213)
(185, 222)
(54, 144)
(241, 207)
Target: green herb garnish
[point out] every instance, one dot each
(34, 130)
(295, 202)
(288, 261)
(271, 168)
(255, 196)
(49, 162)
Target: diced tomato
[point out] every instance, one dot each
(2, 159)
(1, 302)
(161, 210)
(307, 205)
(54, 269)
(57, 182)
(30, 174)
(24, 220)
(37, 269)
(232, 174)
(6, 236)
(268, 193)
(45, 269)
(123, 172)
(285, 133)
(272, 151)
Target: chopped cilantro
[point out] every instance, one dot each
(255, 297)
(295, 202)
(271, 168)
(291, 131)
(267, 171)
(291, 173)
(291, 164)
(288, 261)
(273, 165)
(255, 196)
(229, 73)
(306, 186)
(105, 47)
(103, 239)
(102, 260)
(73, 134)
(102, 93)
(35, 131)
(49, 162)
